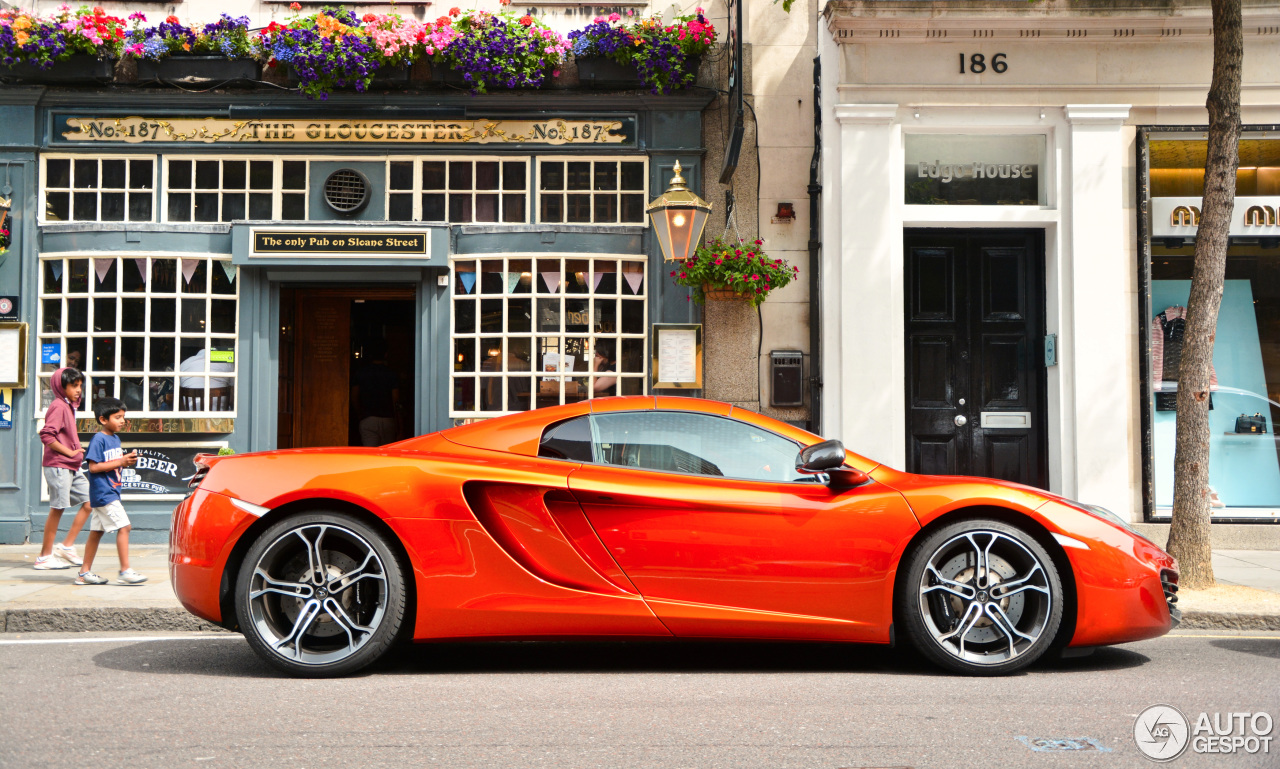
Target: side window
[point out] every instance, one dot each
(570, 439)
(674, 442)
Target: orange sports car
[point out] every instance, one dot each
(649, 517)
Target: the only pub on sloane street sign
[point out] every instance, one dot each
(304, 243)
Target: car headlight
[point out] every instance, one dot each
(1098, 511)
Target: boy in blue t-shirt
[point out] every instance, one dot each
(106, 457)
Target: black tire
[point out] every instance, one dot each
(962, 617)
(324, 622)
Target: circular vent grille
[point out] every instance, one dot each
(346, 190)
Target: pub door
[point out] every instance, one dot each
(975, 376)
(333, 343)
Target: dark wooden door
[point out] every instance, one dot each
(975, 354)
(322, 386)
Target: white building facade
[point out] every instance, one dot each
(999, 183)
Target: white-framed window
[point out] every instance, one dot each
(157, 331)
(224, 189)
(574, 190)
(458, 190)
(98, 188)
(526, 330)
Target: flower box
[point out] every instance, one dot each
(443, 75)
(383, 77)
(198, 69)
(80, 68)
(599, 72)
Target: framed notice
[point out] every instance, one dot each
(13, 355)
(677, 356)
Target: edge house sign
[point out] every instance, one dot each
(979, 170)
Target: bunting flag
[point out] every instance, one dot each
(634, 275)
(228, 269)
(513, 280)
(189, 267)
(141, 264)
(596, 278)
(102, 267)
(56, 264)
(468, 280)
(552, 279)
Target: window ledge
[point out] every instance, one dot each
(588, 229)
(212, 228)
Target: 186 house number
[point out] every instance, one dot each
(977, 63)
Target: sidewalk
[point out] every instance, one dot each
(44, 601)
(1247, 596)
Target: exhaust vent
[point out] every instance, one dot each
(346, 191)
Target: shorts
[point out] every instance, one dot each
(109, 517)
(67, 488)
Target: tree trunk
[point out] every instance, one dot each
(1189, 535)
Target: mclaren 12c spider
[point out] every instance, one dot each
(649, 517)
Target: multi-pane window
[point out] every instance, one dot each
(158, 332)
(99, 189)
(458, 191)
(227, 189)
(541, 330)
(591, 191)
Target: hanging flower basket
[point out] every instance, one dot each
(77, 69)
(717, 293)
(733, 270)
(198, 69)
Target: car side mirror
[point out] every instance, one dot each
(820, 457)
(827, 458)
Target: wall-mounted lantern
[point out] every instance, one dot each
(678, 217)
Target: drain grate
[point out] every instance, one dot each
(346, 190)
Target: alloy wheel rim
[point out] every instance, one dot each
(985, 597)
(318, 594)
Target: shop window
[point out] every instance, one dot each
(534, 331)
(98, 188)
(228, 189)
(576, 191)
(463, 191)
(1244, 454)
(157, 332)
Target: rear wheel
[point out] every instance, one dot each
(981, 597)
(320, 594)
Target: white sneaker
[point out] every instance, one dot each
(89, 578)
(46, 562)
(68, 554)
(131, 577)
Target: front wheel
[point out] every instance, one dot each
(981, 597)
(320, 594)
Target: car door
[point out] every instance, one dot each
(710, 521)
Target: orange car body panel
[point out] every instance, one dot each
(505, 544)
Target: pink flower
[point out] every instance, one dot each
(755, 277)
(719, 261)
(737, 252)
(614, 17)
(684, 274)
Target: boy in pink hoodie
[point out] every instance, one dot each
(63, 456)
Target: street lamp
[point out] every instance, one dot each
(678, 217)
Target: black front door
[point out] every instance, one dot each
(975, 354)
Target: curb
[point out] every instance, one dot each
(1223, 620)
(101, 619)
